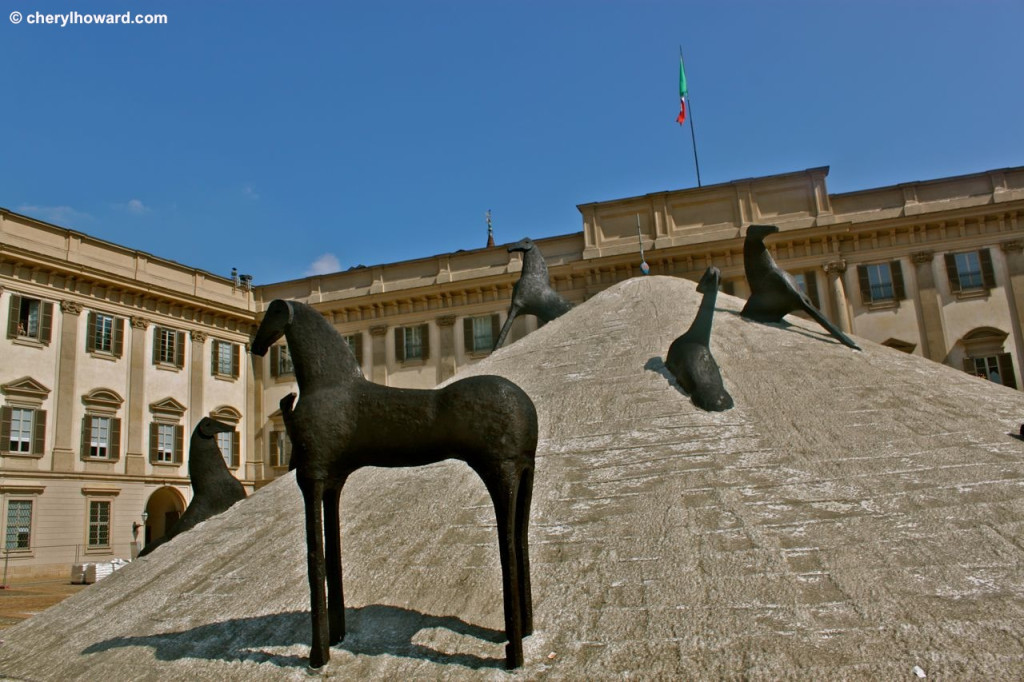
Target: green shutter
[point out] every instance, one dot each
(811, 280)
(897, 280)
(988, 275)
(86, 433)
(214, 366)
(118, 337)
(154, 434)
(90, 333)
(39, 432)
(1005, 361)
(179, 443)
(236, 448)
(46, 325)
(275, 357)
(467, 334)
(15, 316)
(400, 344)
(179, 349)
(425, 336)
(274, 457)
(357, 347)
(969, 366)
(115, 438)
(236, 363)
(495, 328)
(865, 284)
(157, 333)
(951, 273)
(5, 429)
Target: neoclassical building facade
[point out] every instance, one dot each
(110, 356)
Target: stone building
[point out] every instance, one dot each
(111, 356)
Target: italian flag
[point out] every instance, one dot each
(682, 93)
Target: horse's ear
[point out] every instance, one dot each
(281, 309)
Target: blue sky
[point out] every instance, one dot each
(274, 137)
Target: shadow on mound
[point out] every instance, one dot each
(374, 630)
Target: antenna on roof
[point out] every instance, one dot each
(490, 229)
(644, 267)
(234, 278)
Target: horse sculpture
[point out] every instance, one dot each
(532, 294)
(214, 488)
(343, 422)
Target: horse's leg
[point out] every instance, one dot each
(332, 550)
(502, 485)
(512, 312)
(313, 496)
(522, 530)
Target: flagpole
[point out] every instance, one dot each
(693, 136)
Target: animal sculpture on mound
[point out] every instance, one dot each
(214, 489)
(532, 294)
(773, 291)
(689, 357)
(343, 422)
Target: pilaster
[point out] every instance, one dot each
(446, 361)
(1013, 252)
(379, 351)
(838, 302)
(64, 391)
(933, 336)
(135, 457)
(196, 376)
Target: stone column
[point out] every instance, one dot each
(446, 357)
(255, 414)
(64, 428)
(837, 295)
(1013, 252)
(933, 337)
(379, 354)
(135, 453)
(196, 378)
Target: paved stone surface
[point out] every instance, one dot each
(856, 515)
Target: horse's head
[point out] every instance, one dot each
(524, 244)
(276, 320)
(209, 427)
(710, 280)
(759, 232)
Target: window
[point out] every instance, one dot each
(104, 334)
(21, 430)
(280, 361)
(30, 318)
(355, 344)
(412, 343)
(99, 524)
(19, 524)
(970, 271)
(808, 284)
(480, 333)
(99, 436)
(166, 443)
(22, 421)
(229, 445)
(225, 359)
(280, 448)
(881, 282)
(168, 347)
(101, 429)
(996, 368)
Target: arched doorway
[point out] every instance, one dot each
(162, 509)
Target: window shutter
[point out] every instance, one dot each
(275, 458)
(236, 448)
(5, 429)
(812, 289)
(357, 348)
(865, 284)
(400, 344)
(115, 438)
(425, 336)
(15, 315)
(179, 443)
(495, 328)
(951, 273)
(39, 434)
(154, 435)
(467, 334)
(235, 362)
(90, 333)
(46, 326)
(118, 337)
(179, 349)
(275, 354)
(969, 366)
(86, 433)
(214, 365)
(1005, 361)
(157, 333)
(897, 280)
(988, 275)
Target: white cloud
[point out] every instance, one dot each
(324, 265)
(250, 193)
(65, 216)
(136, 206)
